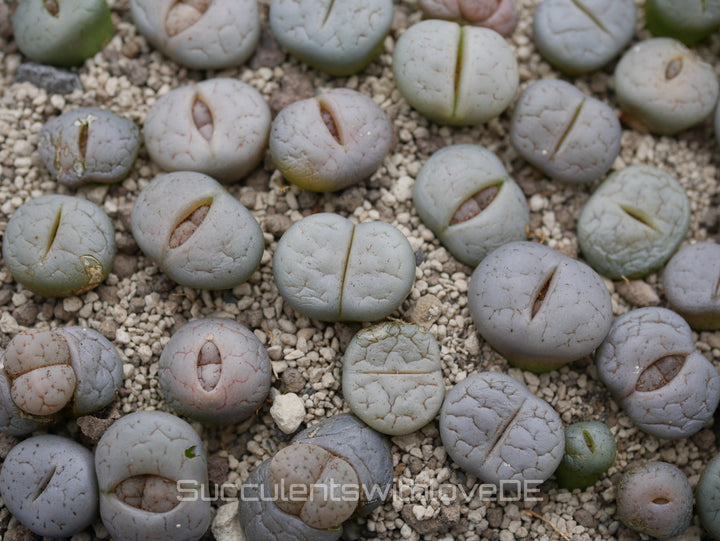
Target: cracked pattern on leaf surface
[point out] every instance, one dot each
(707, 499)
(498, 15)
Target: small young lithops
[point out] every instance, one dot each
(590, 450)
(89, 144)
(200, 34)
(331, 141)
(688, 21)
(498, 15)
(537, 307)
(453, 74)
(196, 232)
(707, 498)
(466, 197)
(218, 127)
(339, 37)
(48, 483)
(57, 245)
(151, 472)
(665, 86)
(650, 364)
(633, 222)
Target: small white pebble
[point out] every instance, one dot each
(288, 411)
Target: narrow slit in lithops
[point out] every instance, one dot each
(474, 205)
(588, 440)
(150, 493)
(53, 231)
(209, 366)
(591, 16)
(568, 129)
(542, 292)
(327, 13)
(202, 116)
(458, 71)
(345, 268)
(661, 500)
(640, 216)
(660, 373)
(42, 486)
(189, 224)
(52, 7)
(503, 428)
(329, 120)
(716, 292)
(83, 138)
(673, 68)
(183, 14)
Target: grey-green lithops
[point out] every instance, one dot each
(196, 232)
(218, 127)
(665, 86)
(466, 197)
(62, 32)
(633, 222)
(331, 141)
(688, 21)
(339, 37)
(498, 15)
(392, 377)
(590, 450)
(566, 134)
(707, 498)
(453, 74)
(57, 245)
(89, 144)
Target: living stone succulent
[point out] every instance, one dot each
(688, 21)
(707, 498)
(498, 15)
(590, 450)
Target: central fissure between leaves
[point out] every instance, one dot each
(183, 14)
(188, 225)
(476, 204)
(660, 373)
(52, 7)
(209, 366)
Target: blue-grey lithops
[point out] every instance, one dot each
(633, 222)
(537, 307)
(214, 370)
(218, 127)
(392, 377)
(152, 473)
(499, 15)
(200, 34)
(331, 141)
(466, 197)
(48, 483)
(89, 144)
(580, 36)
(339, 37)
(566, 134)
(688, 21)
(497, 430)
(196, 232)
(590, 450)
(453, 74)
(665, 86)
(707, 498)
(57, 245)
(328, 268)
(650, 364)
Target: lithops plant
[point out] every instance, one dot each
(466, 197)
(688, 21)
(196, 232)
(707, 498)
(57, 245)
(151, 471)
(537, 307)
(48, 483)
(498, 15)
(590, 450)
(650, 364)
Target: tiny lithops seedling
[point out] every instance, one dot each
(655, 499)
(350, 137)
(330, 269)
(498, 15)
(537, 307)
(57, 245)
(196, 232)
(62, 32)
(650, 364)
(688, 21)
(581, 36)
(589, 451)
(453, 74)
(339, 37)
(707, 498)
(569, 136)
(143, 461)
(89, 144)
(665, 86)
(633, 222)
(218, 127)
(466, 197)
(48, 483)
(200, 34)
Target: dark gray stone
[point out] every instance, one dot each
(54, 80)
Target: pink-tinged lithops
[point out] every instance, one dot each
(57, 245)
(655, 499)
(453, 74)
(200, 34)
(89, 144)
(48, 483)
(581, 36)
(688, 20)
(569, 136)
(691, 280)
(218, 127)
(339, 37)
(214, 370)
(707, 498)
(392, 377)
(665, 86)
(331, 141)
(152, 471)
(196, 232)
(330, 269)
(633, 222)
(498, 15)
(650, 364)
(12, 420)
(497, 430)
(466, 197)
(537, 307)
